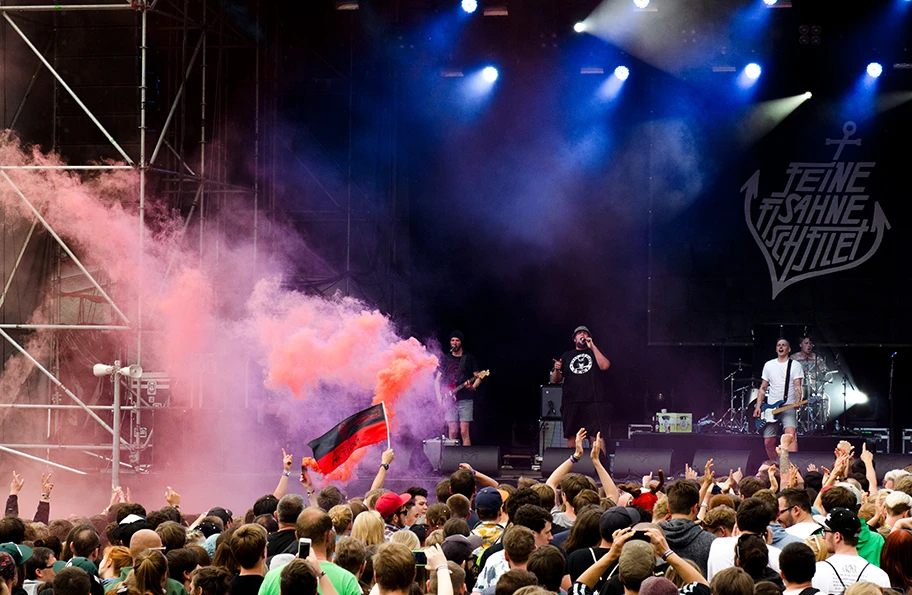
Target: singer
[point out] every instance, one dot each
(579, 370)
(459, 376)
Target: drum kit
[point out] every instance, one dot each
(743, 393)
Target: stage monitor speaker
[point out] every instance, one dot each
(554, 458)
(637, 462)
(552, 396)
(802, 459)
(723, 460)
(551, 435)
(445, 456)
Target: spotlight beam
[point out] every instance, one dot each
(763, 117)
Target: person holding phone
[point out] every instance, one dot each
(580, 372)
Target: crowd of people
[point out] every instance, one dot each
(782, 530)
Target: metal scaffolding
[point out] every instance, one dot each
(197, 181)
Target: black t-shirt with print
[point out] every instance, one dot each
(581, 377)
(452, 376)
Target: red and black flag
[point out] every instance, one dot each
(361, 429)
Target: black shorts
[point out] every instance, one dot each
(580, 415)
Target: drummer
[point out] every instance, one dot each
(814, 368)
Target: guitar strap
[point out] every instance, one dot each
(788, 371)
(462, 365)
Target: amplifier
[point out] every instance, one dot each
(551, 436)
(551, 400)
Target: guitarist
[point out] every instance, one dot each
(778, 375)
(458, 368)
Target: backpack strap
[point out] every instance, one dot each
(592, 553)
(841, 582)
(862, 572)
(809, 591)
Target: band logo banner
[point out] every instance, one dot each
(822, 220)
(361, 429)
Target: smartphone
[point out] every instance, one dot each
(420, 558)
(303, 548)
(641, 535)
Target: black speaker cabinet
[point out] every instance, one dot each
(637, 462)
(723, 461)
(445, 457)
(551, 400)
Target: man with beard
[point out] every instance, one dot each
(458, 375)
(579, 369)
(782, 381)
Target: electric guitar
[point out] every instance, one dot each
(769, 411)
(451, 393)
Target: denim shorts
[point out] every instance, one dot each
(787, 419)
(460, 411)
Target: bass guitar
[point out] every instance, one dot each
(769, 411)
(451, 393)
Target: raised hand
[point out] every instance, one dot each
(16, 484)
(866, 455)
(596, 448)
(580, 436)
(46, 485)
(689, 472)
(287, 460)
(387, 457)
(172, 498)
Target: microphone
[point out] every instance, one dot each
(894, 354)
(452, 348)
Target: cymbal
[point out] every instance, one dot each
(739, 364)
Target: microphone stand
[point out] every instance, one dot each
(892, 440)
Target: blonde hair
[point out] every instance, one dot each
(436, 537)
(660, 509)
(864, 588)
(406, 538)
(819, 547)
(368, 528)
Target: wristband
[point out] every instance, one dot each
(47, 496)
(286, 473)
(385, 466)
(667, 553)
(574, 459)
(321, 575)
(442, 567)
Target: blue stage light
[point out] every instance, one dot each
(490, 74)
(622, 72)
(752, 71)
(874, 70)
(579, 27)
(469, 5)
(641, 3)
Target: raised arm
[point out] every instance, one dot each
(482, 479)
(12, 502)
(282, 488)
(308, 486)
(385, 459)
(43, 514)
(868, 457)
(564, 468)
(611, 490)
(592, 574)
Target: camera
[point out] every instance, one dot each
(420, 558)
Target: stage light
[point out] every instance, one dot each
(769, 2)
(490, 74)
(641, 3)
(808, 94)
(874, 70)
(470, 6)
(752, 71)
(855, 397)
(622, 72)
(579, 27)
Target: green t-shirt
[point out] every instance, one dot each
(344, 581)
(172, 587)
(869, 544)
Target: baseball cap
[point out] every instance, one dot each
(19, 553)
(840, 520)
(389, 503)
(658, 585)
(637, 562)
(489, 499)
(580, 328)
(459, 548)
(222, 513)
(617, 517)
(129, 525)
(896, 498)
(855, 491)
(78, 562)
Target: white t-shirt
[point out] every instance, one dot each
(851, 569)
(722, 556)
(774, 374)
(803, 530)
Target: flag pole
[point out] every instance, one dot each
(389, 442)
